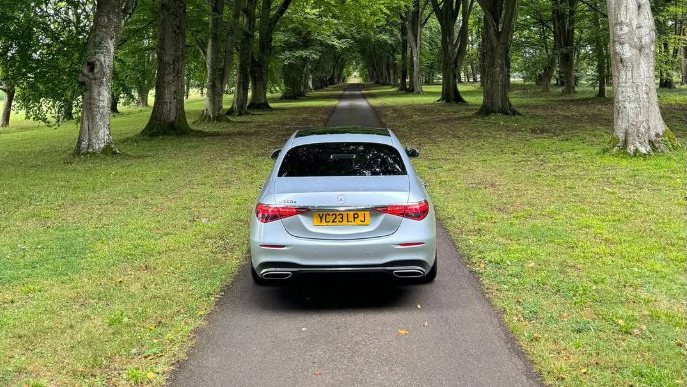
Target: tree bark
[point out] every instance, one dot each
(9, 91)
(213, 111)
(96, 75)
(564, 13)
(293, 80)
(239, 105)
(168, 116)
(453, 49)
(414, 28)
(114, 105)
(404, 55)
(638, 126)
(547, 74)
(142, 94)
(600, 53)
(260, 66)
(499, 22)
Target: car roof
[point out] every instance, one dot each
(342, 134)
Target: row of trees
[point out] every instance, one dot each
(561, 41)
(61, 58)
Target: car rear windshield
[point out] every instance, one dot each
(342, 159)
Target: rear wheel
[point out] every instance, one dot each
(431, 274)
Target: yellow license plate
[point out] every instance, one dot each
(352, 218)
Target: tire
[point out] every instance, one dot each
(431, 274)
(256, 278)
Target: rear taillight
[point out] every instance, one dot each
(414, 211)
(266, 213)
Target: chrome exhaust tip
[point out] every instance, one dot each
(277, 275)
(409, 273)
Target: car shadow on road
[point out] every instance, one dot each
(335, 294)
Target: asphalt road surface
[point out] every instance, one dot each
(347, 333)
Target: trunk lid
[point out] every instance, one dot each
(346, 194)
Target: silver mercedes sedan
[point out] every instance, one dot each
(343, 200)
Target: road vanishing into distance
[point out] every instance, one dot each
(347, 333)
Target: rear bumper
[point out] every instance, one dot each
(399, 269)
(273, 250)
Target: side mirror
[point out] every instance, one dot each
(412, 152)
(275, 153)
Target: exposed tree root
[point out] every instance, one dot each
(486, 112)
(207, 118)
(156, 129)
(259, 106)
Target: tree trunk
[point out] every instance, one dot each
(260, 66)
(96, 76)
(239, 105)
(9, 90)
(293, 80)
(547, 74)
(168, 116)
(499, 22)
(213, 111)
(638, 125)
(307, 81)
(404, 56)
(564, 12)
(114, 102)
(449, 90)
(414, 28)
(600, 54)
(142, 94)
(453, 49)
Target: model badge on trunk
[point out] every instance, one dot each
(341, 199)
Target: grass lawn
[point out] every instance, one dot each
(107, 264)
(583, 251)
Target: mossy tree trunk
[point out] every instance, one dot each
(245, 53)
(404, 55)
(260, 66)
(414, 33)
(499, 22)
(453, 49)
(600, 44)
(168, 116)
(638, 126)
(96, 75)
(213, 111)
(564, 14)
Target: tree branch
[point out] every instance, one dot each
(593, 8)
(488, 15)
(129, 8)
(279, 13)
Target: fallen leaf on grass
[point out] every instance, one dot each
(403, 332)
(583, 371)
(150, 375)
(424, 324)
(680, 343)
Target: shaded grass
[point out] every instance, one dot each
(107, 264)
(583, 251)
